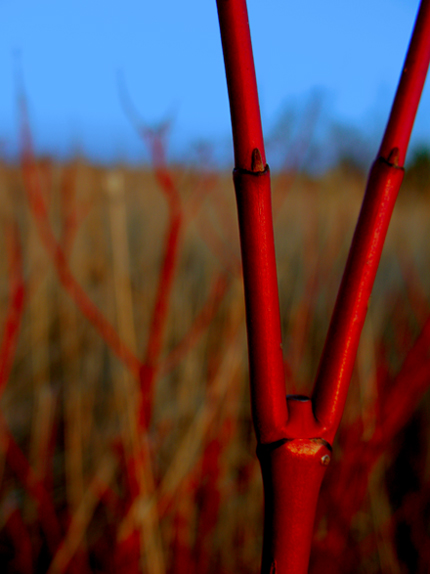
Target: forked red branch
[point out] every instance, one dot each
(295, 440)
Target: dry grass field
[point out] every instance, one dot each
(126, 440)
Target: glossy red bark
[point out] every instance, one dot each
(252, 184)
(262, 305)
(411, 83)
(338, 357)
(348, 317)
(241, 82)
(292, 475)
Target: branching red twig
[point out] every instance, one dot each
(65, 275)
(155, 139)
(165, 282)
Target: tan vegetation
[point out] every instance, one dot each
(73, 406)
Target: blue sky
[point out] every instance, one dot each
(170, 56)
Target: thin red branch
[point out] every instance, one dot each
(165, 282)
(252, 184)
(350, 310)
(170, 256)
(155, 139)
(411, 83)
(13, 454)
(241, 82)
(338, 357)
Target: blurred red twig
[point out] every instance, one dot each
(15, 306)
(57, 254)
(156, 144)
(13, 454)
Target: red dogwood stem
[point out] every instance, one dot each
(294, 441)
(252, 184)
(411, 83)
(241, 82)
(385, 178)
(292, 461)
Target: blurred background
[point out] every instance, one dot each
(126, 442)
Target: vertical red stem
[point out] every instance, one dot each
(262, 305)
(241, 82)
(252, 184)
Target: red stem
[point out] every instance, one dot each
(266, 364)
(165, 283)
(293, 456)
(252, 184)
(13, 454)
(292, 462)
(155, 139)
(347, 321)
(338, 357)
(411, 83)
(241, 82)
